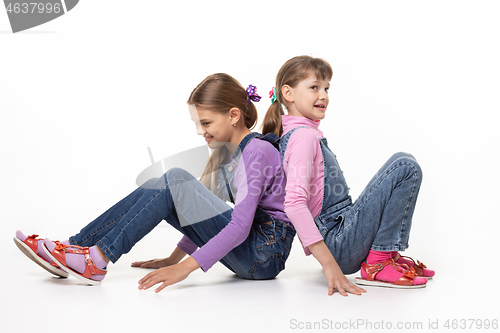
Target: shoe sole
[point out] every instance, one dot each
(38, 260)
(386, 284)
(71, 272)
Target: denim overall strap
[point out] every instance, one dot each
(335, 191)
(261, 215)
(272, 139)
(243, 144)
(283, 143)
(228, 170)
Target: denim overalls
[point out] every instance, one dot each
(380, 219)
(272, 238)
(191, 208)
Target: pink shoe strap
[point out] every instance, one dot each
(373, 270)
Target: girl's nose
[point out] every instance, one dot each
(199, 130)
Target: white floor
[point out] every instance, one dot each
(296, 300)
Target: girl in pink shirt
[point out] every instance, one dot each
(343, 236)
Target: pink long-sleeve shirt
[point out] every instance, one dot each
(303, 166)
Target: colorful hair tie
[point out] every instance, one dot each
(252, 94)
(272, 95)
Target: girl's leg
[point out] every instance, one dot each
(392, 196)
(180, 199)
(99, 227)
(380, 220)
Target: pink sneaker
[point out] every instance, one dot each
(31, 247)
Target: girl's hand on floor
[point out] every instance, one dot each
(173, 259)
(154, 263)
(168, 275)
(337, 280)
(334, 276)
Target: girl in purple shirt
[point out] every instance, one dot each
(253, 239)
(344, 236)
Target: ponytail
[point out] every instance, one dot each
(250, 116)
(272, 120)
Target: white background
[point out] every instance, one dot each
(83, 96)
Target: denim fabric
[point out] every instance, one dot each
(261, 256)
(381, 217)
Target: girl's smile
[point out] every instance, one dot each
(321, 107)
(208, 137)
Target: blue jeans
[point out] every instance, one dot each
(381, 217)
(191, 208)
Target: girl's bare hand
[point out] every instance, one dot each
(169, 275)
(154, 263)
(337, 280)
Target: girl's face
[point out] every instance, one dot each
(215, 127)
(308, 99)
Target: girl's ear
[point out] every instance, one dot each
(287, 93)
(234, 115)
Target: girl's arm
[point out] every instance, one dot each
(333, 273)
(302, 157)
(303, 166)
(251, 184)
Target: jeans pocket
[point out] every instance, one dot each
(286, 240)
(267, 232)
(339, 225)
(267, 269)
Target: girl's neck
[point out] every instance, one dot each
(302, 119)
(291, 122)
(294, 113)
(238, 135)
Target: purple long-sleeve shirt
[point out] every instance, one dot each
(259, 181)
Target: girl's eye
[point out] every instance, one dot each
(205, 123)
(314, 87)
(327, 89)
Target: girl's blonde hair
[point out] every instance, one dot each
(291, 73)
(220, 93)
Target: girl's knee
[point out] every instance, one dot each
(411, 163)
(154, 184)
(402, 155)
(174, 174)
(350, 266)
(177, 174)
